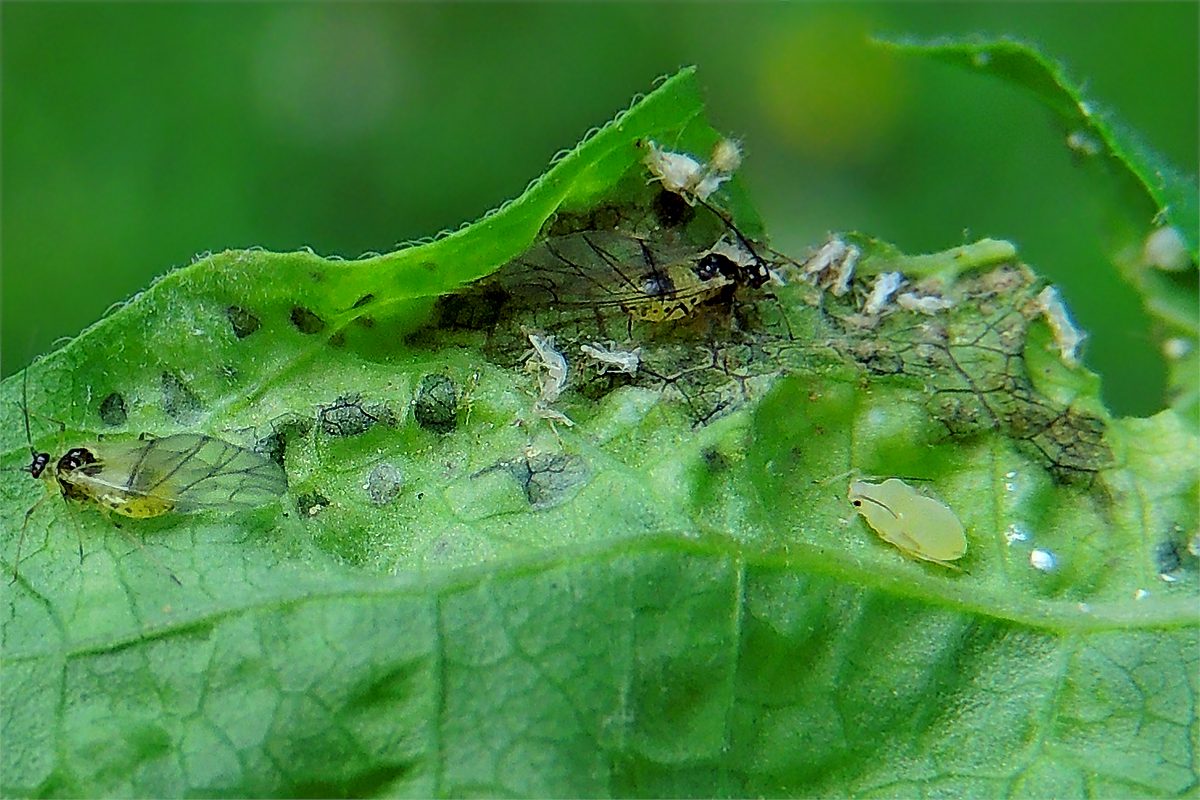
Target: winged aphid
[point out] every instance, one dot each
(149, 477)
(648, 280)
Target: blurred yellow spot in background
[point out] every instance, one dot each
(826, 90)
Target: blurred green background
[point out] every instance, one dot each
(138, 135)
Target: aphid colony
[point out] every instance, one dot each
(832, 267)
(684, 175)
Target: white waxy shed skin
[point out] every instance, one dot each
(919, 526)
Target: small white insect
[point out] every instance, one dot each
(818, 266)
(612, 358)
(551, 368)
(545, 357)
(1140, 594)
(684, 175)
(1083, 143)
(726, 157)
(917, 525)
(1176, 348)
(1042, 560)
(1165, 249)
(882, 290)
(845, 271)
(923, 304)
(543, 411)
(1066, 335)
(832, 266)
(677, 172)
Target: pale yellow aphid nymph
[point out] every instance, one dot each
(150, 477)
(919, 526)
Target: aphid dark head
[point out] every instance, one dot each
(756, 274)
(75, 458)
(714, 264)
(38, 465)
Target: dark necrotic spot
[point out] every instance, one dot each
(436, 405)
(306, 321)
(477, 308)
(180, 402)
(549, 479)
(1168, 557)
(272, 446)
(672, 210)
(364, 300)
(715, 460)
(365, 322)
(310, 504)
(112, 409)
(349, 416)
(384, 483)
(338, 339)
(284, 428)
(244, 323)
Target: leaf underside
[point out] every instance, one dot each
(462, 594)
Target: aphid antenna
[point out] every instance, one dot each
(728, 222)
(858, 474)
(153, 559)
(875, 502)
(835, 478)
(21, 538)
(25, 410)
(916, 478)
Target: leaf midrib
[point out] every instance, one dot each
(1054, 616)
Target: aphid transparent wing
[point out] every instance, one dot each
(187, 471)
(600, 269)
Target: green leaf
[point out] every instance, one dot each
(1173, 192)
(1094, 130)
(671, 596)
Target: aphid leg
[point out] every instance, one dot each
(150, 556)
(554, 430)
(21, 538)
(468, 398)
(78, 529)
(153, 559)
(835, 478)
(62, 426)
